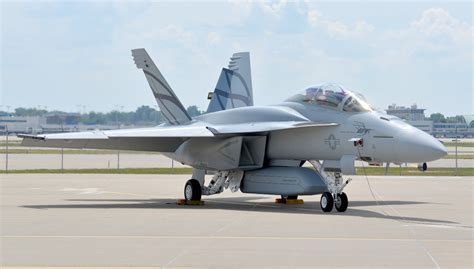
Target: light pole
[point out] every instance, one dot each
(118, 125)
(62, 149)
(456, 150)
(118, 159)
(6, 150)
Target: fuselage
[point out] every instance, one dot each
(384, 138)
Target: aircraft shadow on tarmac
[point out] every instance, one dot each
(246, 204)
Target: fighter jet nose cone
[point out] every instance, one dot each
(441, 150)
(434, 150)
(416, 146)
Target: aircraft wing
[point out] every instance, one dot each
(263, 127)
(160, 138)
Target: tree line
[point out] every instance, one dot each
(438, 117)
(142, 115)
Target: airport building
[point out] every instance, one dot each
(29, 124)
(49, 123)
(412, 113)
(416, 117)
(457, 129)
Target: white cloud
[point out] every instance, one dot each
(241, 6)
(430, 51)
(273, 7)
(362, 27)
(213, 38)
(338, 29)
(435, 34)
(313, 17)
(436, 22)
(177, 33)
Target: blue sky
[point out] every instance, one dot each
(67, 54)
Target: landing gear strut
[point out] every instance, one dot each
(335, 184)
(195, 188)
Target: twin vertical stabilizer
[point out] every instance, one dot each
(234, 87)
(171, 108)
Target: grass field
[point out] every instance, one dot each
(460, 156)
(70, 151)
(169, 171)
(460, 144)
(395, 171)
(413, 171)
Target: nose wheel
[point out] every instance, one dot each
(339, 201)
(327, 202)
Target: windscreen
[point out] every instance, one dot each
(332, 96)
(354, 104)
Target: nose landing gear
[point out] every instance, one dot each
(335, 184)
(328, 201)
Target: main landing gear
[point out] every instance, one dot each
(192, 190)
(335, 184)
(195, 188)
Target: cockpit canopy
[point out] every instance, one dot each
(332, 96)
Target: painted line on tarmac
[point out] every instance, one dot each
(439, 226)
(80, 267)
(226, 238)
(412, 231)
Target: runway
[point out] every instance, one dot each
(133, 220)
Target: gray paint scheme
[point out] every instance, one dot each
(283, 181)
(252, 138)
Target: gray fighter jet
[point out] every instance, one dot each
(262, 149)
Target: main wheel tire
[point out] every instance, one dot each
(192, 190)
(341, 202)
(289, 197)
(327, 202)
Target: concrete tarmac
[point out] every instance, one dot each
(133, 221)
